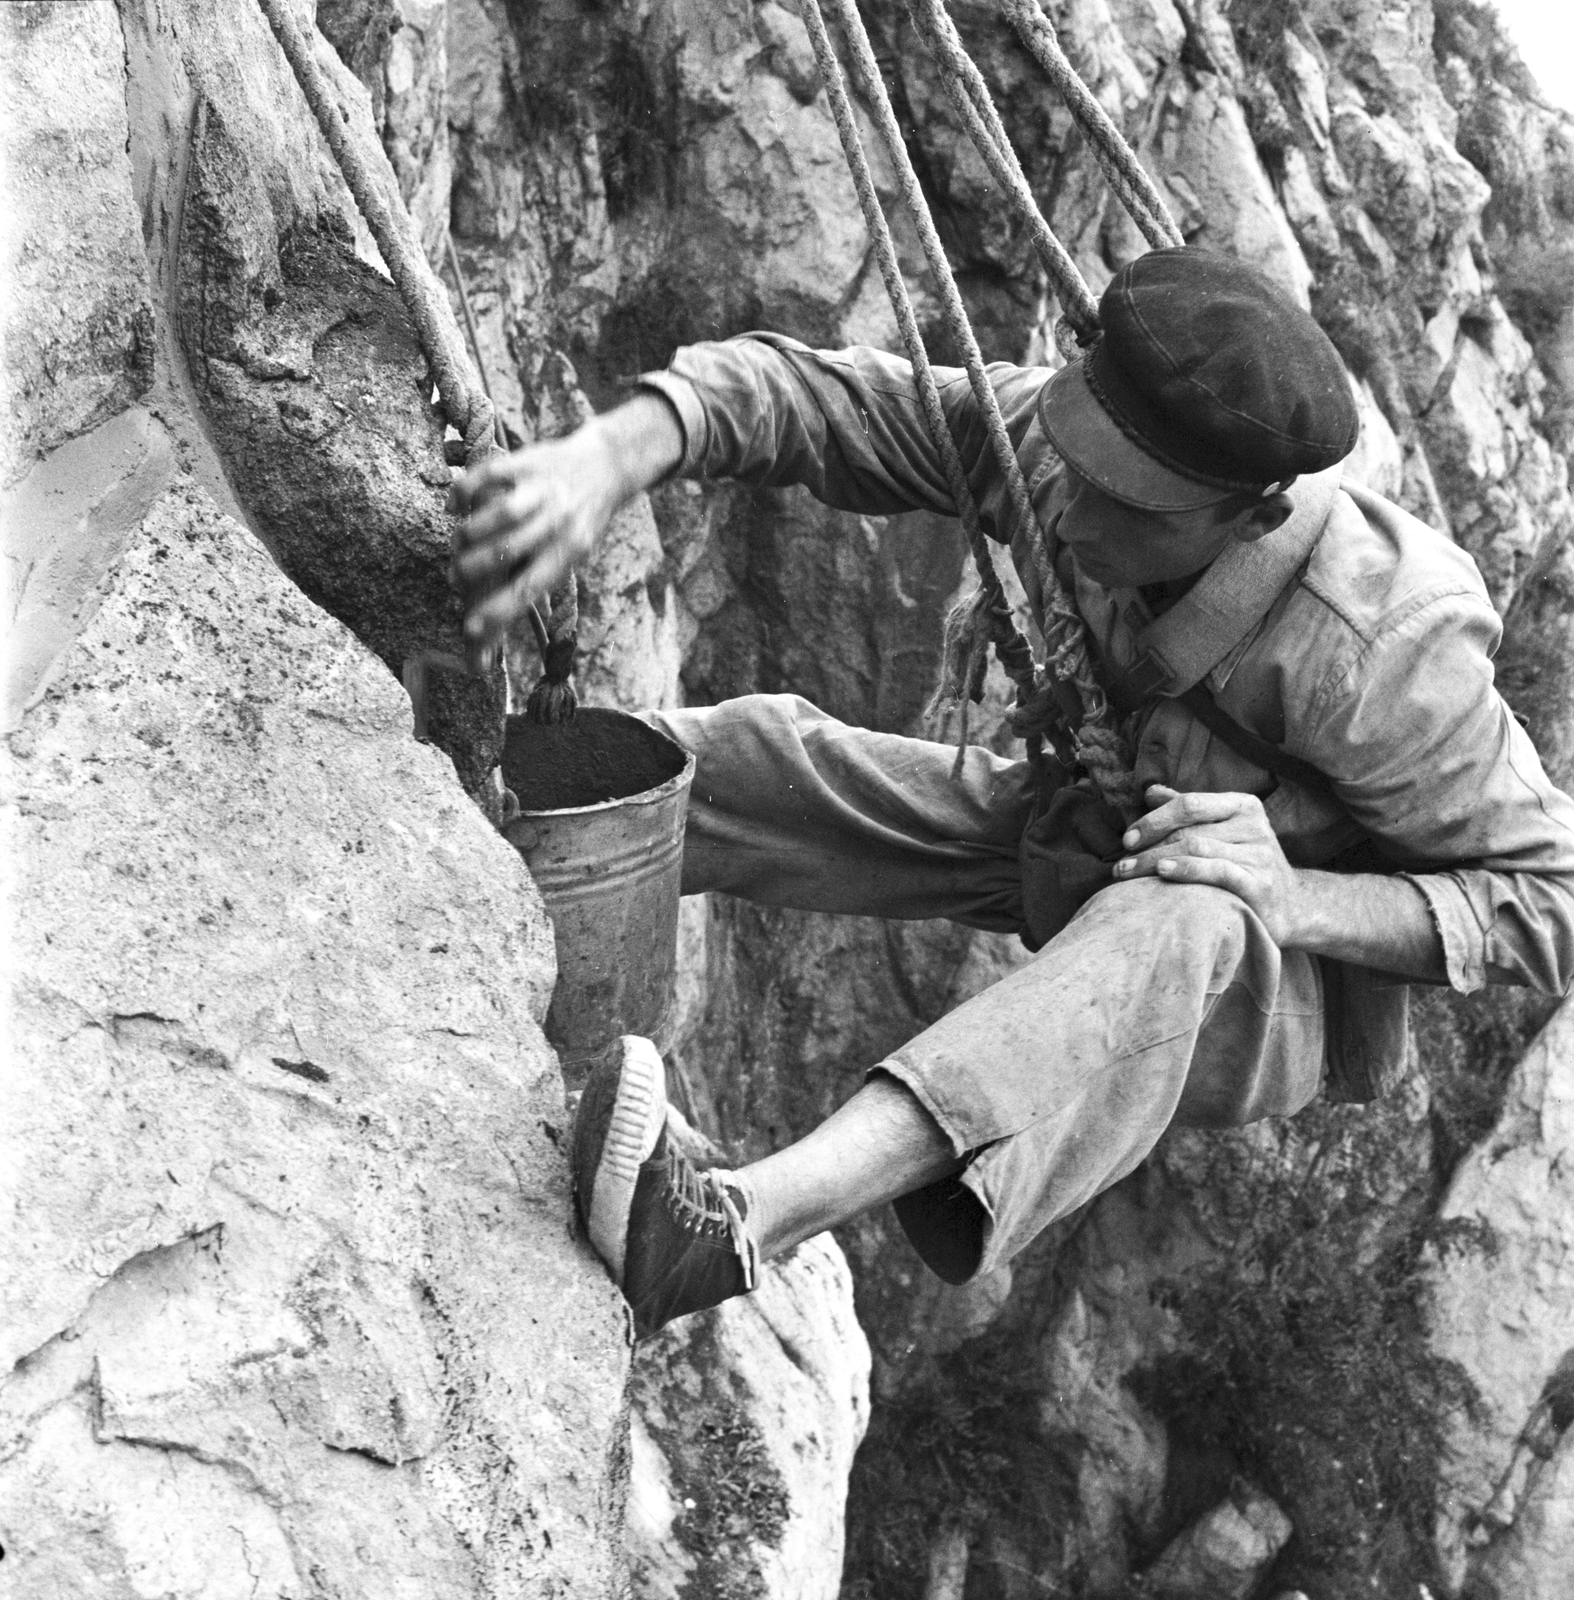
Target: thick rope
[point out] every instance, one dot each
(1131, 184)
(1096, 739)
(970, 96)
(1015, 655)
(475, 342)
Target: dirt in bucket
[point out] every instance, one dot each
(600, 755)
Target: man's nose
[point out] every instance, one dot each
(1073, 524)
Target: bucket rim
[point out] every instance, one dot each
(678, 782)
(646, 797)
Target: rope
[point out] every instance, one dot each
(1012, 650)
(475, 343)
(969, 94)
(1132, 185)
(1096, 741)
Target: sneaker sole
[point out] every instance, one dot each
(639, 1113)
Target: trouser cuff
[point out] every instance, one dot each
(948, 1222)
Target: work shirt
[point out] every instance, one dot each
(1361, 643)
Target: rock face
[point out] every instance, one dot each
(290, 1293)
(79, 344)
(745, 1420)
(290, 1297)
(1506, 1313)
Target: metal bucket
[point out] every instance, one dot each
(603, 800)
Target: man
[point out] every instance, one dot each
(1308, 674)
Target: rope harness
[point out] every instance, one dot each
(1061, 700)
(1065, 696)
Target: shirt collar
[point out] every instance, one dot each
(1180, 648)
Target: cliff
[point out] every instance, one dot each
(294, 1300)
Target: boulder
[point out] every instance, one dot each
(745, 1420)
(290, 345)
(1224, 1554)
(1533, 1558)
(291, 1296)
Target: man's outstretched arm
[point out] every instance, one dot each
(847, 425)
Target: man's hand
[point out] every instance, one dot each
(1225, 840)
(1373, 920)
(531, 515)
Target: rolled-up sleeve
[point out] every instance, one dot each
(1455, 791)
(848, 425)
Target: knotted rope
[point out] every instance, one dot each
(1041, 702)
(1124, 173)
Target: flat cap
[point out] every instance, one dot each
(1209, 381)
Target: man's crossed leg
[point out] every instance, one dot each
(1158, 1002)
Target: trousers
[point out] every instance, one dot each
(1158, 1003)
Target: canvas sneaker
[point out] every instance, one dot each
(675, 1238)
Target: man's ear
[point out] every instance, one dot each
(1261, 517)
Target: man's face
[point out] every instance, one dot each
(1123, 548)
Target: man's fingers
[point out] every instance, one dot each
(502, 605)
(504, 512)
(493, 473)
(1177, 847)
(1218, 872)
(477, 563)
(1182, 811)
(496, 504)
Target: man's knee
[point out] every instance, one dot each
(1195, 910)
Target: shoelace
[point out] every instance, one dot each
(705, 1205)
